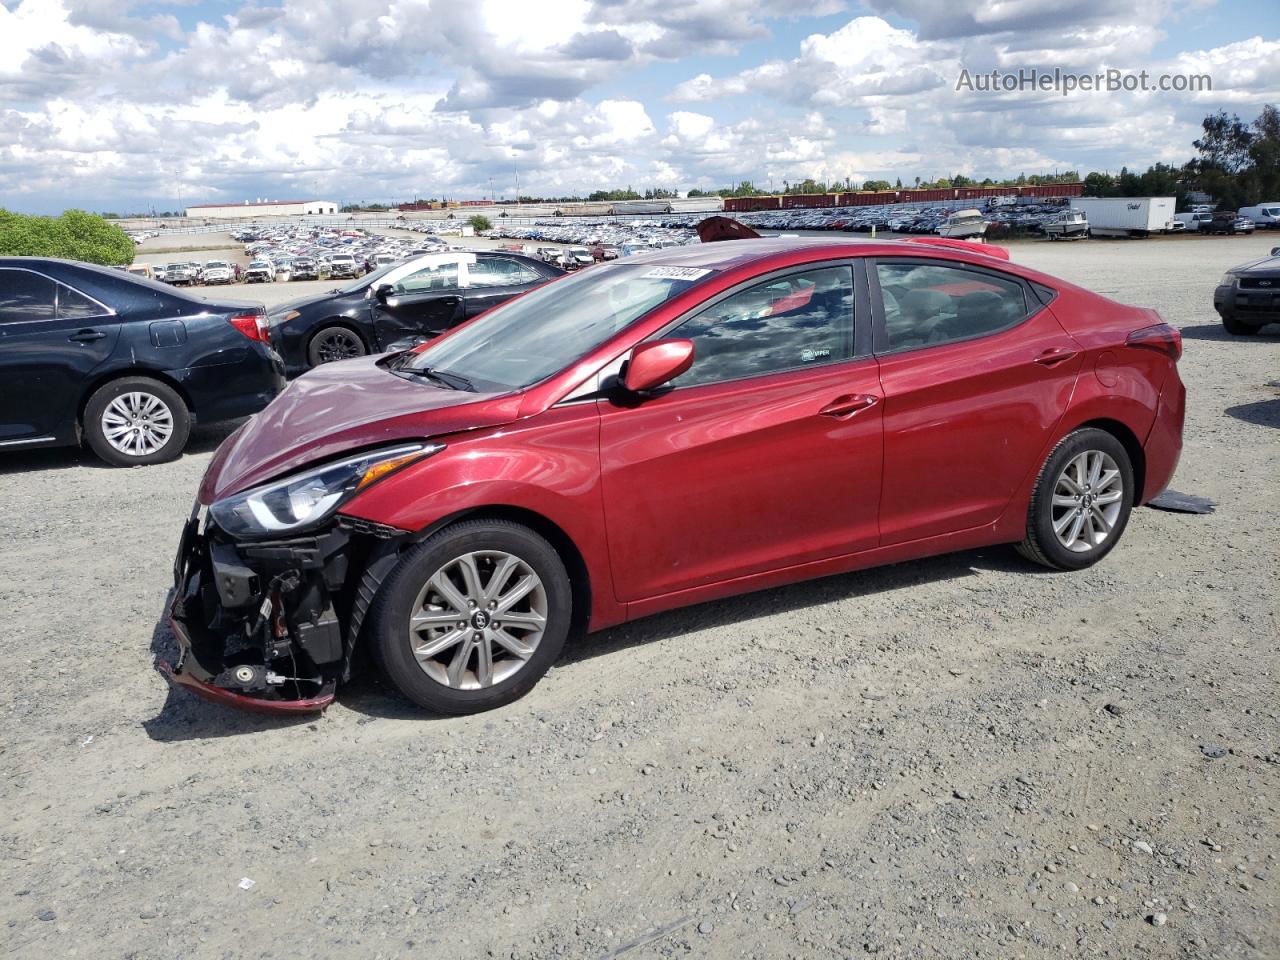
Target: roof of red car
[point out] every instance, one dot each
(726, 254)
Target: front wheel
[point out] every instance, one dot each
(473, 617)
(1081, 501)
(1237, 328)
(136, 421)
(334, 343)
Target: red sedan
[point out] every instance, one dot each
(670, 428)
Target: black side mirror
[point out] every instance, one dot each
(383, 290)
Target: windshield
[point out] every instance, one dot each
(530, 338)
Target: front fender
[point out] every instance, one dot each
(550, 470)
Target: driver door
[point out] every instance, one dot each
(426, 302)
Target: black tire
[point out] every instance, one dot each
(334, 342)
(95, 431)
(1236, 327)
(388, 622)
(1042, 544)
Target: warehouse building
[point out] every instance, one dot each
(262, 208)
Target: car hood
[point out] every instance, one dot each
(340, 408)
(302, 302)
(1264, 266)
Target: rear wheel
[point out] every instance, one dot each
(1238, 328)
(1081, 501)
(136, 421)
(473, 617)
(334, 343)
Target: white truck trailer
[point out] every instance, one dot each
(1126, 216)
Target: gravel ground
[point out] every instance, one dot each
(963, 756)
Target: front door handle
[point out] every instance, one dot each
(848, 405)
(1054, 356)
(87, 336)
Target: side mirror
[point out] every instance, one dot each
(383, 290)
(657, 362)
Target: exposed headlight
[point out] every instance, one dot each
(303, 500)
(1228, 280)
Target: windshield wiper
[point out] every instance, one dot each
(453, 381)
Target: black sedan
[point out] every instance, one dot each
(401, 302)
(1248, 297)
(121, 362)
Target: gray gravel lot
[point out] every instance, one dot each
(964, 756)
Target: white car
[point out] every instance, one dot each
(343, 265)
(218, 271)
(260, 271)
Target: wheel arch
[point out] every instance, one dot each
(106, 377)
(1132, 446)
(574, 562)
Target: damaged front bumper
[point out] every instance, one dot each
(266, 626)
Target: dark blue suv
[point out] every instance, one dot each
(122, 363)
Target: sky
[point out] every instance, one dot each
(131, 105)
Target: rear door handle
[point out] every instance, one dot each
(1054, 356)
(87, 336)
(848, 405)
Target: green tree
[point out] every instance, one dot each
(75, 235)
(876, 185)
(479, 223)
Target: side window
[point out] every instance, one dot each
(440, 276)
(927, 304)
(25, 296)
(499, 272)
(802, 320)
(76, 306)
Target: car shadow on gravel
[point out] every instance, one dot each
(1263, 413)
(800, 596)
(1215, 331)
(184, 716)
(203, 439)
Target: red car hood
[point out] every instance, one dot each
(339, 408)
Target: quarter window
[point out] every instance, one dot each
(26, 296)
(498, 272)
(927, 304)
(802, 320)
(76, 306)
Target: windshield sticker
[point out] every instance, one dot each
(674, 273)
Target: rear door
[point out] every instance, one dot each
(976, 374)
(765, 454)
(51, 339)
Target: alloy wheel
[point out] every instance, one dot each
(1087, 499)
(478, 620)
(137, 424)
(339, 345)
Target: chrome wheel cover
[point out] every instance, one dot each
(478, 620)
(1087, 498)
(137, 424)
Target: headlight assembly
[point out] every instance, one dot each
(303, 500)
(1228, 280)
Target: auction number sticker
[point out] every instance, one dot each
(674, 273)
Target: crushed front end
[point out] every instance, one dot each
(268, 625)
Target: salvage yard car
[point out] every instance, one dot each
(217, 271)
(678, 426)
(260, 271)
(1248, 296)
(421, 297)
(122, 363)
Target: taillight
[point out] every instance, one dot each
(1158, 336)
(252, 325)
